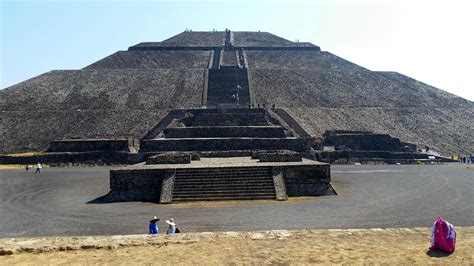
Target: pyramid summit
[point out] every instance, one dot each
(127, 94)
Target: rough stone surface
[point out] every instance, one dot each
(84, 145)
(136, 185)
(337, 94)
(308, 180)
(166, 195)
(91, 104)
(190, 39)
(320, 90)
(169, 158)
(153, 59)
(223, 144)
(364, 140)
(279, 156)
(279, 184)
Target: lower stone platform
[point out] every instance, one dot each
(219, 179)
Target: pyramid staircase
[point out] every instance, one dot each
(226, 128)
(225, 84)
(217, 130)
(232, 183)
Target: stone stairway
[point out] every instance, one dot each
(225, 131)
(207, 130)
(230, 183)
(228, 86)
(164, 122)
(216, 58)
(291, 122)
(229, 59)
(226, 119)
(222, 144)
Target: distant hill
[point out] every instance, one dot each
(128, 92)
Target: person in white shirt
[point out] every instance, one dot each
(38, 168)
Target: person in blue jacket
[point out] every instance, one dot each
(153, 227)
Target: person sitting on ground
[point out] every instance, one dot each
(153, 227)
(172, 226)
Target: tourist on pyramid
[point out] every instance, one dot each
(153, 227)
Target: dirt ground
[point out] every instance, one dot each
(361, 246)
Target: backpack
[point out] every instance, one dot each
(443, 236)
(177, 230)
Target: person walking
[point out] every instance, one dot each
(27, 168)
(38, 168)
(172, 226)
(153, 227)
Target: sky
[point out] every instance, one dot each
(431, 41)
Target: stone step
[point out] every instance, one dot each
(231, 169)
(222, 84)
(226, 169)
(227, 190)
(223, 183)
(199, 188)
(225, 111)
(222, 144)
(225, 122)
(241, 181)
(225, 131)
(223, 175)
(216, 178)
(209, 183)
(225, 119)
(226, 197)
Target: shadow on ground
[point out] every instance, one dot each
(437, 253)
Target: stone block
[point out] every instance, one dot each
(85, 145)
(280, 157)
(170, 158)
(313, 180)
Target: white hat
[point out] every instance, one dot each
(155, 218)
(170, 222)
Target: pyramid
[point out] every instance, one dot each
(126, 94)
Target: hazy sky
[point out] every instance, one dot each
(431, 41)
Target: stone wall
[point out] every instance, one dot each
(360, 156)
(141, 184)
(228, 131)
(82, 145)
(136, 185)
(308, 180)
(226, 119)
(381, 142)
(278, 156)
(170, 158)
(153, 59)
(223, 144)
(105, 103)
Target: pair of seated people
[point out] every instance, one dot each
(153, 226)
